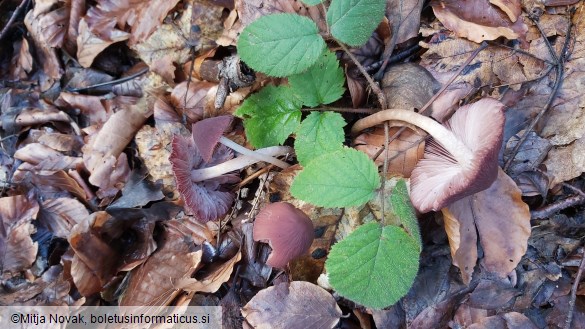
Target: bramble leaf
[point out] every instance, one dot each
(318, 134)
(270, 116)
(374, 266)
(353, 21)
(405, 211)
(321, 83)
(342, 178)
(280, 44)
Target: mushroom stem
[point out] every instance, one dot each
(253, 154)
(237, 163)
(443, 136)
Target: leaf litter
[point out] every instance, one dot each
(91, 210)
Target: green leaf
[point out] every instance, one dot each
(311, 2)
(322, 83)
(353, 21)
(280, 44)
(405, 211)
(270, 116)
(318, 134)
(374, 266)
(343, 178)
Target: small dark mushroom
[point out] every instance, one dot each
(287, 230)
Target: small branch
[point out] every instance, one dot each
(375, 88)
(574, 292)
(108, 83)
(560, 65)
(553, 208)
(15, 14)
(458, 73)
(340, 110)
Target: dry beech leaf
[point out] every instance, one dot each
(478, 20)
(213, 279)
(22, 61)
(506, 320)
(16, 246)
(90, 106)
(61, 214)
(403, 152)
(502, 221)
(197, 93)
(492, 295)
(294, 305)
(90, 45)
(47, 55)
(103, 155)
(156, 281)
(404, 16)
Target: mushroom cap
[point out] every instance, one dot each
(438, 180)
(287, 230)
(206, 134)
(207, 200)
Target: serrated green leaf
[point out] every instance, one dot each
(343, 178)
(353, 21)
(318, 134)
(405, 211)
(270, 116)
(322, 83)
(311, 2)
(280, 44)
(374, 266)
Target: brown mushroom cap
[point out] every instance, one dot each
(438, 179)
(206, 134)
(208, 199)
(287, 230)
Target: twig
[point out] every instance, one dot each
(108, 83)
(560, 64)
(15, 14)
(375, 88)
(340, 110)
(574, 292)
(553, 208)
(458, 73)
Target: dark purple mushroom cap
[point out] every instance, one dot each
(206, 134)
(208, 200)
(439, 180)
(287, 230)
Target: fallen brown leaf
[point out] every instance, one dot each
(295, 305)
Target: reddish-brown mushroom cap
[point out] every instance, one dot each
(287, 230)
(206, 134)
(438, 179)
(208, 200)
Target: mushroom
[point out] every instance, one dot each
(287, 230)
(201, 167)
(461, 158)
(207, 133)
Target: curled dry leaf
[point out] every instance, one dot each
(295, 305)
(102, 248)
(156, 281)
(16, 246)
(403, 152)
(213, 279)
(46, 54)
(61, 214)
(193, 109)
(502, 220)
(478, 20)
(506, 320)
(103, 155)
(90, 45)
